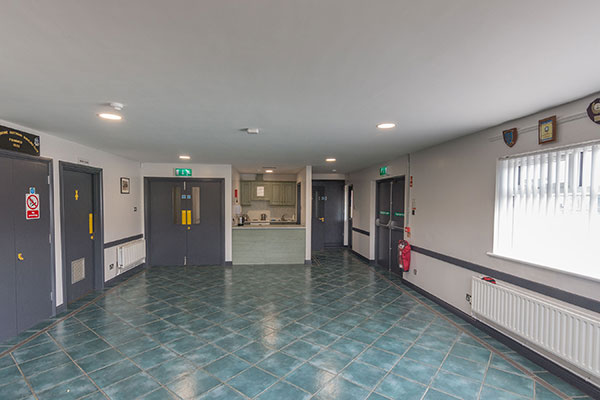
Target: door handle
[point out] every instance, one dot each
(20, 257)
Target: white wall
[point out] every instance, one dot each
(329, 177)
(305, 178)
(454, 191)
(201, 171)
(270, 177)
(235, 185)
(120, 220)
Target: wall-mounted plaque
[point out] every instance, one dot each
(23, 142)
(547, 130)
(593, 111)
(510, 136)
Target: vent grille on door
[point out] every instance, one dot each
(77, 270)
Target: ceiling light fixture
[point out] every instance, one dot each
(269, 171)
(110, 116)
(330, 159)
(386, 125)
(334, 170)
(184, 157)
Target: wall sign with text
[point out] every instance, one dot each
(22, 142)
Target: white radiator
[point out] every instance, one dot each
(569, 334)
(131, 254)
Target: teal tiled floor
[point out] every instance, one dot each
(335, 330)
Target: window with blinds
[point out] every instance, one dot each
(548, 209)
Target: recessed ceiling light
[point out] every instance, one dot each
(330, 159)
(334, 170)
(183, 157)
(269, 171)
(110, 116)
(386, 125)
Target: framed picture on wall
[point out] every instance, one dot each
(547, 130)
(125, 186)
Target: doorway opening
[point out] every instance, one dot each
(82, 230)
(389, 222)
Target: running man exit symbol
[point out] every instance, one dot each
(77, 195)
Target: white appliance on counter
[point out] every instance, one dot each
(259, 217)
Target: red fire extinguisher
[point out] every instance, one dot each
(404, 255)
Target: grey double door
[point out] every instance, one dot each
(389, 222)
(25, 256)
(186, 221)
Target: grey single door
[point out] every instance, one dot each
(204, 233)
(32, 242)
(79, 220)
(334, 213)
(318, 218)
(167, 220)
(8, 257)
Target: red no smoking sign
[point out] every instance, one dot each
(32, 206)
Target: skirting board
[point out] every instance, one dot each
(121, 277)
(526, 352)
(363, 258)
(110, 283)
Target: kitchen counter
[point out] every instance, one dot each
(269, 244)
(278, 225)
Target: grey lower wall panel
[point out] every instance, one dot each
(268, 246)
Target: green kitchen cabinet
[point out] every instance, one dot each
(289, 193)
(265, 191)
(283, 193)
(277, 194)
(246, 193)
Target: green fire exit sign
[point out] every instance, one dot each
(183, 172)
(383, 171)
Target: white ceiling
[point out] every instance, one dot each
(315, 76)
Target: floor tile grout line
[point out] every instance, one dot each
(530, 374)
(121, 320)
(24, 378)
(356, 301)
(490, 347)
(65, 317)
(369, 346)
(487, 369)
(77, 365)
(227, 353)
(456, 340)
(281, 349)
(126, 357)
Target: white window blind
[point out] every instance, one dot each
(548, 209)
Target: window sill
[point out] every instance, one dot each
(546, 267)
